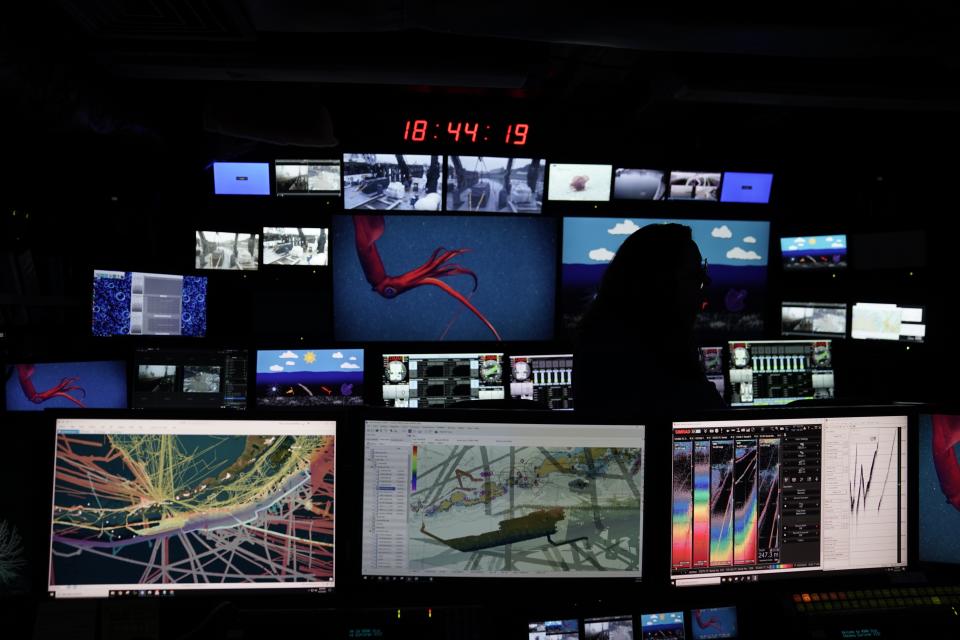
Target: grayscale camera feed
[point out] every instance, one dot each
(201, 379)
(307, 177)
(296, 246)
(494, 185)
(694, 185)
(640, 184)
(385, 182)
(156, 378)
(227, 250)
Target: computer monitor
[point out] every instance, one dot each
(299, 377)
(608, 628)
(241, 178)
(715, 623)
(296, 246)
(788, 497)
(473, 499)
(640, 184)
(695, 185)
(711, 360)
(815, 319)
(227, 250)
(441, 379)
(189, 379)
(66, 385)
(494, 185)
(307, 177)
(883, 321)
(545, 379)
(184, 506)
(579, 182)
(777, 372)
(939, 488)
(392, 182)
(149, 304)
(554, 630)
(814, 252)
(746, 187)
(662, 626)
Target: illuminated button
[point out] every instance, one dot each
(797, 597)
(801, 607)
(833, 595)
(806, 597)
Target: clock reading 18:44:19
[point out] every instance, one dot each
(465, 132)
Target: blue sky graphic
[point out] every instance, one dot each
(293, 360)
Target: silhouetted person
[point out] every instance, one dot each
(635, 348)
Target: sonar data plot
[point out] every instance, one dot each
(154, 509)
(745, 502)
(525, 509)
(873, 494)
(721, 503)
(768, 526)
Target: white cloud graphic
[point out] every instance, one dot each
(291, 363)
(800, 241)
(829, 238)
(750, 240)
(349, 365)
(837, 245)
(337, 356)
(354, 358)
(276, 367)
(288, 355)
(601, 255)
(624, 228)
(722, 232)
(739, 254)
(792, 247)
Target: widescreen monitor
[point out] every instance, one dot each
(939, 488)
(715, 623)
(579, 182)
(161, 507)
(662, 626)
(788, 497)
(148, 304)
(227, 250)
(494, 185)
(608, 628)
(437, 278)
(241, 178)
(640, 184)
(544, 379)
(815, 319)
(66, 385)
(694, 185)
(746, 187)
(554, 630)
(884, 321)
(307, 177)
(189, 379)
(392, 182)
(802, 253)
(778, 372)
(468, 499)
(435, 380)
(300, 378)
(296, 246)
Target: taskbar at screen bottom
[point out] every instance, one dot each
(382, 576)
(705, 580)
(168, 590)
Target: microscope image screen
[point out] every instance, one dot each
(441, 379)
(825, 319)
(580, 182)
(779, 372)
(387, 182)
(148, 304)
(494, 185)
(297, 246)
(544, 379)
(66, 385)
(939, 488)
(229, 251)
(190, 379)
(291, 378)
(694, 185)
(307, 177)
(814, 252)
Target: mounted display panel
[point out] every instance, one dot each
(148, 304)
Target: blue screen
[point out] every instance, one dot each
(309, 377)
(713, 624)
(67, 385)
(241, 178)
(939, 488)
(746, 187)
(431, 262)
(123, 306)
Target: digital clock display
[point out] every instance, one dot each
(465, 132)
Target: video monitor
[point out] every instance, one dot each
(392, 182)
(939, 488)
(241, 178)
(640, 184)
(746, 187)
(771, 372)
(827, 319)
(580, 182)
(694, 185)
(229, 251)
(554, 630)
(609, 628)
(148, 304)
(296, 246)
(189, 379)
(662, 626)
(494, 185)
(307, 177)
(736, 252)
(16, 524)
(66, 385)
(814, 252)
(435, 278)
(788, 497)
(465, 499)
(711, 360)
(441, 379)
(295, 378)
(714, 623)
(881, 321)
(165, 507)
(544, 379)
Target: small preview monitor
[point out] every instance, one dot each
(441, 379)
(771, 372)
(148, 304)
(189, 379)
(554, 630)
(580, 182)
(227, 250)
(746, 187)
(241, 178)
(494, 185)
(694, 185)
(307, 177)
(296, 246)
(711, 360)
(814, 252)
(608, 628)
(467, 499)
(714, 624)
(392, 182)
(788, 497)
(640, 184)
(892, 322)
(161, 506)
(545, 379)
(826, 319)
(298, 378)
(66, 385)
(662, 626)
(939, 488)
